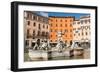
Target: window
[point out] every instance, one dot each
(74, 28)
(28, 35)
(28, 22)
(27, 31)
(74, 35)
(82, 33)
(78, 28)
(65, 20)
(86, 33)
(70, 20)
(51, 20)
(56, 25)
(56, 20)
(85, 21)
(34, 24)
(70, 25)
(43, 26)
(71, 42)
(43, 33)
(89, 20)
(66, 41)
(78, 22)
(81, 21)
(47, 34)
(39, 27)
(38, 33)
(51, 36)
(47, 26)
(61, 20)
(33, 34)
(74, 22)
(34, 17)
(71, 30)
(56, 35)
(65, 25)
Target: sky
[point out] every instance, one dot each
(76, 15)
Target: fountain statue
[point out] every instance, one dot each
(60, 43)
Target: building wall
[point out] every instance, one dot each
(36, 27)
(77, 31)
(85, 27)
(61, 24)
(82, 31)
(39, 27)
